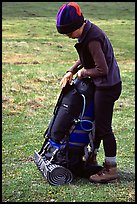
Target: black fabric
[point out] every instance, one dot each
(72, 159)
(69, 107)
(103, 107)
(69, 28)
(91, 33)
(68, 110)
(77, 166)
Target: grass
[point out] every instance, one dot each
(34, 59)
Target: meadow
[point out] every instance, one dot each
(34, 59)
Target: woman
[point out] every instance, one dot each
(96, 57)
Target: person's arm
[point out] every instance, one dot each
(101, 68)
(74, 69)
(69, 74)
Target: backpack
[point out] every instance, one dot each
(69, 136)
(71, 105)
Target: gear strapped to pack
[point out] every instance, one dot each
(70, 108)
(71, 129)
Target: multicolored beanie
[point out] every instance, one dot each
(69, 18)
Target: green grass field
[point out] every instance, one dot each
(34, 59)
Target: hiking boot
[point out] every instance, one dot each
(106, 175)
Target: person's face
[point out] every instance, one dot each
(77, 33)
(74, 34)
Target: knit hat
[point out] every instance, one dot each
(69, 18)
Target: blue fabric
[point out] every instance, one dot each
(67, 15)
(68, 20)
(54, 144)
(79, 135)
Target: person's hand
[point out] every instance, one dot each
(67, 77)
(82, 73)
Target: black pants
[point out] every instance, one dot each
(104, 99)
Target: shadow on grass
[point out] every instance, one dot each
(123, 177)
(126, 176)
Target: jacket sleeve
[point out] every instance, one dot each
(101, 68)
(74, 69)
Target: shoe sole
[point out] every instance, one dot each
(105, 182)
